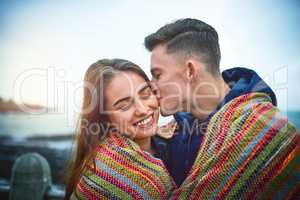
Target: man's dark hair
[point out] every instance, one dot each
(190, 37)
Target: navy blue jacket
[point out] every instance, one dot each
(184, 145)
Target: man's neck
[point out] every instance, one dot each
(204, 107)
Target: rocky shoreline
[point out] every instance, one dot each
(56, 150)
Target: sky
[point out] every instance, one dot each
(46, 46)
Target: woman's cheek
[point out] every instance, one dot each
(128, 117)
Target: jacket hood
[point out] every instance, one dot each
(243, 81)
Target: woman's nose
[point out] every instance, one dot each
(140, 109)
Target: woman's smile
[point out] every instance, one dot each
(146, 123)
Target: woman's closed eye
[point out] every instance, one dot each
(124, 105)
(145, 94)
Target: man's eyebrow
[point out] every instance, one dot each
(120, 100)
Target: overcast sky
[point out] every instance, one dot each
(46, 46)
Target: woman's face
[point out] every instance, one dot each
(132, 107)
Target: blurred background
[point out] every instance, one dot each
(46, 47)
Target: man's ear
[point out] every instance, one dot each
(191, 69)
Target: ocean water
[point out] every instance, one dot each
(26, 125)
(20, 126)
(294, 118)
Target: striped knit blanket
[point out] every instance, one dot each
(249, 152)
(123, 171)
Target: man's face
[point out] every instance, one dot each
(168, 76)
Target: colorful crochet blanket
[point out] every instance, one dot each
(123, 171)
(249, 151)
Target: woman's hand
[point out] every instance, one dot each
(167, 131)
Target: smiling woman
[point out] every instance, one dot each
(132, 107)
(117, 155)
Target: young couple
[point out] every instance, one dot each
(230, 141)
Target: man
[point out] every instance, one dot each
(185, 58)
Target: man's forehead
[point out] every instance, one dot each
(158, 51)
(154, 64)
(159, 58)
